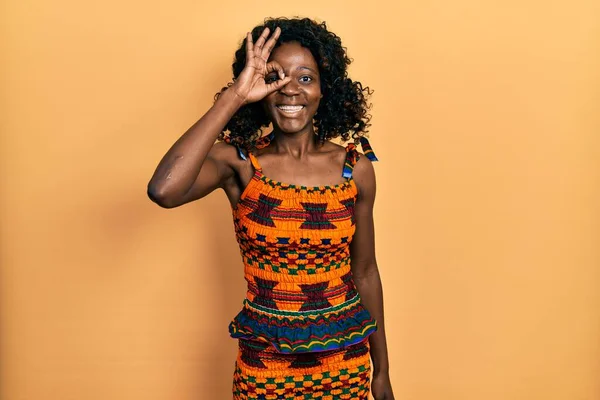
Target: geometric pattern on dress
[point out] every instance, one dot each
(356, 351)
(261, 213)
(349, 204)
(331, 376)
(250, 352)
(264, 297)
(315, 296)
(350, 286)
(305, 360)
(317, 218)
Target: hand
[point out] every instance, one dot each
(250, 85)
(382, 387)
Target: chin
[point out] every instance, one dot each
(292, 127)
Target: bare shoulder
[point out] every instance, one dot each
(363, 173)
(228, 162)
(222, 151)
(364, 177)
(227, 155)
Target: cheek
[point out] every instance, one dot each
(319, 89)
(317, 98)
(266, 104)
(316, 94)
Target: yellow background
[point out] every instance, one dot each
(486, 121)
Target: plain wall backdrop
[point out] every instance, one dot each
(486, 122)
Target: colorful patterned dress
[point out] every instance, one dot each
(303, 331)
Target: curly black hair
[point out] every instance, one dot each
(343, 110)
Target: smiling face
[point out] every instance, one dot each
(292, 108)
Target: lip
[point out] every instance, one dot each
(290, 112)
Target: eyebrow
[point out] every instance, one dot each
(303, 67)
(297, 69)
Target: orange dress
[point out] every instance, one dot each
(303, 331)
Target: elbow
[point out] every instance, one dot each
(160, 196)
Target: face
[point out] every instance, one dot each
(291, 108)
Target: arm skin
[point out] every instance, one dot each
(193, 167)
(366, 274)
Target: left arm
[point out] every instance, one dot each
(366, 274)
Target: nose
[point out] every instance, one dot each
(291, 88)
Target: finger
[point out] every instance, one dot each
(268, 47)
(261, 40)
(274, 66)
(249, 47)
(271, 87)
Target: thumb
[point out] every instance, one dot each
(278, 84)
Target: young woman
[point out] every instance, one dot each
(303, 214)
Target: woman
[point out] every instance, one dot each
(313, 315)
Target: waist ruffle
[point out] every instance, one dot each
(326, 329)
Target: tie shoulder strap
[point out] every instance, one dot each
(254, 162)
(352, 156)
(367, 149)
(239, 148)
(260, 143)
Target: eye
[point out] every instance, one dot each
(271, 78)
(306, 78)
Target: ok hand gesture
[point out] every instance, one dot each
(250, 84)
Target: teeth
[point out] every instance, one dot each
(290, 108)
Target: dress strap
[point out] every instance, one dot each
(367, 149)
(352, 156)
(254, 162)
(260, 143)
(238, 147)
(241, 153)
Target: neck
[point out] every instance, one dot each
(297, 144)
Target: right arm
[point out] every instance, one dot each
(194, 166)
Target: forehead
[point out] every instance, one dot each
(292, 54)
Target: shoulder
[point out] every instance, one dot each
(364, 177)
(227, 160)
(222, 149)
(225, 153)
